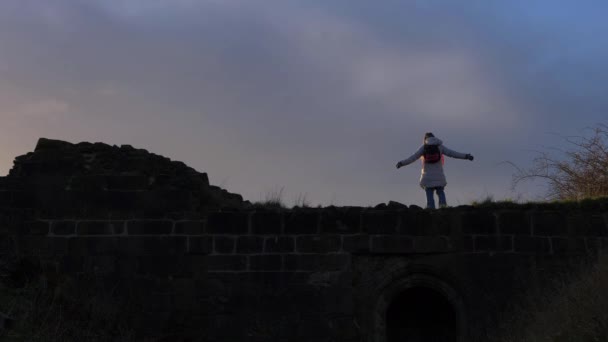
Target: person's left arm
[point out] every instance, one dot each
(453, 154)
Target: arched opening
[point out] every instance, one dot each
(418, 307)
(421, 314)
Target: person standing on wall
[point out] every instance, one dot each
(432, 178)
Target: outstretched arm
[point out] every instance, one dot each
(454, 154)
(411, 158)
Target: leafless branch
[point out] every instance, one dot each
(580, 172)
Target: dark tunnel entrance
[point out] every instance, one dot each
(421, 314)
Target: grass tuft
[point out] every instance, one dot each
(273, 200)
(301, 201)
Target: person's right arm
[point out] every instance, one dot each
(411, 158)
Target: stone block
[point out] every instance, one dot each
(126, 266)
(564, 245)
(152, 245)
(468, 244)
(604, 242)
(318, 244)
(380, 222)
(100, 227)
(597, 226)
(302, 222)
(84, 246)
(486, 243)
(35, 228)
(514, 223)
(444, 223)
(317, 262)
(10, 183)
(345, 327)
(160, 180)
(531, 244)
(119, 182)
(549, 224)
(7, 246)
(200, 245)
(587, 225)
(313, 328)
(356, 243)
(71, 265)
(41, 245)
(416, 223)
(155, 227)
(478, 222)
(100, 264)
(505, 243)
(124, 201)
(162, 266)
(59, 245)
(266, 223)
(265, 262)
(345, 221)
(162, 200)
(88, 183)
(279, 244)
(226, 262)
(79, 246)
(157, 302)
(22, 199)
(189, 227)
(92, 201)
(6, 198)
(223, 244)
(184, 286)
(228, 223)
(150, 323)
(391, 244)
(183, 216)
(430, 244)
(594, 245)
(249, 244)
(63, 227)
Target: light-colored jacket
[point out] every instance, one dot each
(432, 174)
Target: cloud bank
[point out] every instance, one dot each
(318, 98)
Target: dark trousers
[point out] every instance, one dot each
(430, 199)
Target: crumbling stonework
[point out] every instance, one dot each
(200, 263)
(99, 180)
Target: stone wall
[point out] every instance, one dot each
(291, 240)
(190, 266)
(234, 275)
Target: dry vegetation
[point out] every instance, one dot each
(56, 309)
(575, 174)
(576, 311)
(274, 200)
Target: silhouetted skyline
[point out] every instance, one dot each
(320, 98)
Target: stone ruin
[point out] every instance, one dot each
(198, 263)
(96, 177)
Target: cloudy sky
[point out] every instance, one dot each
(319, 98)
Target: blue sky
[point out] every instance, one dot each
(320, 98)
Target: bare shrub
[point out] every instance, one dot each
(581, 172)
